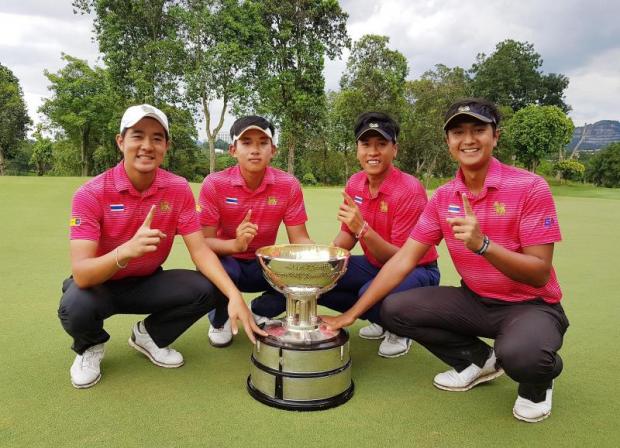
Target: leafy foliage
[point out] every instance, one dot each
(511, 76)
(300, 34)
(14, 118)
(537, 131)
(604, 167)
(570, 169)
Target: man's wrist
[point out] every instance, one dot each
(363, 231)
(484, 247)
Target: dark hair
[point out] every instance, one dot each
(480, 106)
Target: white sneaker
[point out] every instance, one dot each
(372, 331)
(262, 320)
(221, 337)
(85, 370)
(531, 412)
(162, 357)
(394, 346)
(473, 375)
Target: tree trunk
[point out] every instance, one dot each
(212, 153)
(212, 135)
(83, 155)
(1, 162)
(291, 157)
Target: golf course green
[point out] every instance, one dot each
(205, 402)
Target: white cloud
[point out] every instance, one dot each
(578, 38)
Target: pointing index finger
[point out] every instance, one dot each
(348, 199)
(248, 215)
(149, 217)
(467, 206)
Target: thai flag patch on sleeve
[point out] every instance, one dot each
(358, 200)
(454, 208)
(232, 200)
(117, 207)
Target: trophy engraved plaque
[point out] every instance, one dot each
(300, 365)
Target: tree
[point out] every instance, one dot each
(138, 40)
(511, 76)
(537, 131)
(222, 40)
(374, 80)
(14, 118)
(82, 104)
(376, 74)
(42, 154)
(604, 167)
(423, 148)
(570, 169)
(300, 34)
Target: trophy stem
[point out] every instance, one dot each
(301, 311)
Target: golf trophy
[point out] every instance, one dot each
(301, 365)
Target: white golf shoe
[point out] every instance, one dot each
(372, 331)
(394, 346)
(466, 379)
(86, 368)
(531, 412)
(162, 357)
(221, 337)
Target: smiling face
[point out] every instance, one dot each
(376, 154)
(144, 146)
(471, 143)
(253, 151)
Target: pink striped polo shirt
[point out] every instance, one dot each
(109, 210)
(393, 212)
(225, 199)
(515, 209)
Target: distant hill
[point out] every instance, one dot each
(595, 136)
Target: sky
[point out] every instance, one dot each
(578, 38)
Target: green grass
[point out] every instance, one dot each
(205, 402)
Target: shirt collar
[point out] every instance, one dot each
(237, 179)
(387, 186)
(122, 182)
(493, 178)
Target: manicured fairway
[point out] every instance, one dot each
(205, 403)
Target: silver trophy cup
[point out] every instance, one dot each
(301, 365)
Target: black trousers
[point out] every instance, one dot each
(448, 321)
(175, 299)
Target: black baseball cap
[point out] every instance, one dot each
(477, 110)
(251, 122)
(378, 122)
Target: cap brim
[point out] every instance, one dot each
(471, 114)
(378, 131)
(267, 132)
(148, 115)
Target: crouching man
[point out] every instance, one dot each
(122, 227)
(500, 226)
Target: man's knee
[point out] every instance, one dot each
(395, 310)
(205, 296)
(78, 309)
(526, 363)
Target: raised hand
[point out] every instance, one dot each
(350, 214)
(246, 231)
(145, 239)
(467, 229)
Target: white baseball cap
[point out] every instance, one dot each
(133, 114)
